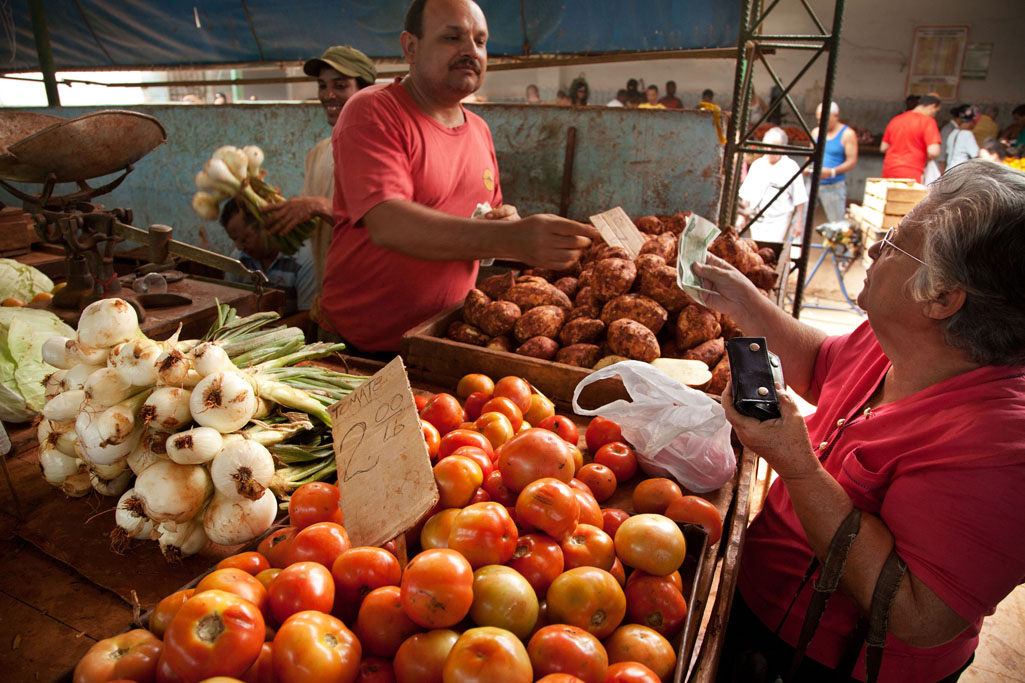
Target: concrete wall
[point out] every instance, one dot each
(647, 162)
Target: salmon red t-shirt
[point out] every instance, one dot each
(385, 148)
(908, 135)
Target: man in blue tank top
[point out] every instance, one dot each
(840, 156)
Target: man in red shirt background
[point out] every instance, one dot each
(911, 140)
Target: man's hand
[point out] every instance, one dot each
(730, 292)
(283, 217)
(548, 241)
(783, 442)
(505, 212)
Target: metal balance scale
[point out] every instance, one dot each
(42, 148)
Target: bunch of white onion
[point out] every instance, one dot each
(228, 173)
(191, 421)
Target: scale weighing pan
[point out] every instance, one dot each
(74, 150)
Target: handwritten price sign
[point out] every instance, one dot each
(384, 471)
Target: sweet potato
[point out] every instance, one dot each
(473, 306)
(664, 245)
(537, 279)
(729, 328)
(646, 262)
(495, 286)
(585, 297)
(768, 256)
(527, 295)
(499, 317)
(540, 321)
(649, 224)
(709, 352)
(659, 283)
(603, 250)
(501, 343)
(763, 277)
(544, 348)
(468, 334)
(581, 330)
(636, 307)
(585, 277)
(720, 377)
(696, 324)
(585, 311)
(677, 223)
(567, 285)
(580, 355)
(612, 277)
(546, 274)
(631, 339)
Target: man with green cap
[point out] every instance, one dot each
(340, 72)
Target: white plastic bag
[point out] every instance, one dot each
(677, 432)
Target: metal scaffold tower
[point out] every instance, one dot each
(756, 47)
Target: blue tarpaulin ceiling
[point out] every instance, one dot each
(96, 34)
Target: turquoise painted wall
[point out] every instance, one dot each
(645, 161)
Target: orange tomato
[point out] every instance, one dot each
(483, 533)
(322, 542)
(619, 458)
(237, 582)
(589, 598)
(651, 543)
(515, 388)
(437, 588)
(432, 439)
(311, 647)
(131, 655)
(435, 532)
(561, 648)
(630, 672)
(166, 609)
(381, 624)
(458, 478)
(539, 560)
(472, 382)
(421, 658)
(655, 495)
(611, 519)
(503, 598)
(488, 655)
(496, 427)
(443, 411)
(506, 406)
(250, 562)
(360, 570)
(655, 602)
(540, 409)
(549, 505)
(697, 510)
(600, 479)
(214, 634)
(458, 438)
(532, 455)
(636, 643)
(590, 511)
(588, 546)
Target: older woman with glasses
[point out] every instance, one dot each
(919, 427)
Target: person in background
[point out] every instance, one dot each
(708, 95)
(986, 127)
(562, 99)
(191, 99)
(918, 424)
(945, 130)
(1011, 133)
(219, 98)
(419, 165)
(839, 156)
(294, 274)
(341, 72)
(671, 101)
(633, 93)
(775, 116)
(578, 91)
(533, 94)
(911, 101)
(765, 177)
(993, 150)
(911, 139)
(651, 99)
(621, 99)
(961, 145)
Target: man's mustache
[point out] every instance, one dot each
(472, 63)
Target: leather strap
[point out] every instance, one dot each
(826, 584)
(883, 596)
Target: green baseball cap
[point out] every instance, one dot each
(345, 60)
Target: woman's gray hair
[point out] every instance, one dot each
(974, 239)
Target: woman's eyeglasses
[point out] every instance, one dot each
(887, 241)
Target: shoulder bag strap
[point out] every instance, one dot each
(883, 596)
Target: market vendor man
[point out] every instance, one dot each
(919, 425)
(418, 164)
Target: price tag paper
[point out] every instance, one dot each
(384, 470)
(619, 231)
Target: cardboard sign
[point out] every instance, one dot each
(619, 231)
(384, 471)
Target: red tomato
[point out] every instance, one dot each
(358, 571)
(506, 406)
(421, 657)
(619, 458)
(561, 425)
(479, 456)
(588, 598)
(322, 542)
(251, 562)
(277, 546)
(165, 674)
(432, 439)
(381, 625)
(561, 648)
(590, 512)
(315, 502)
(539, 559)
(375, 670)
(311, 647)
(503, 598)
(435, 532)
(673, 578)
(515, 388)
(496, 488)
(600, 479)
(166, 609)
(532, 455)
(488, 655)
(496, 426)
(458, 478)
(636, 643)
(458, 438)
(131, 655)
(483, 533)
(540, 409)
(619, 571)
(600, 432)
(697, 510)
(443, 411)
(474, 382)
(299, 587)
(559, 678)
(630, 672)
(237, 582)
(651, 543)
(655, 495)
(214, 634)
(611, 519)
(474, 404)
(578, 456)
(588, 546)
(420, 402)
(437, 588)
(655, 602)
(481, 496)
(267, 575)
(262, 670)
(577, 484)
(549, 505)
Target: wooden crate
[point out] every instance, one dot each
(17, 232)
(888, 200)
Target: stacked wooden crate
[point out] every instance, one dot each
(17, 233)
(886, 202)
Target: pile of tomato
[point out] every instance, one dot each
(520, 574)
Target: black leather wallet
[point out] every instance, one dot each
(753, 370)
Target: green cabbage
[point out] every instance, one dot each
(23, 331)
(21, 281)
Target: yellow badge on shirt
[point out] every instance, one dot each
(489, 180)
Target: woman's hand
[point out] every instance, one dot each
(783, 442)
(730, 292)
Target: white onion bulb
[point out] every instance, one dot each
(131, 521)
(87, 354)
(172, 367)
(106, 387)
(171, 492)
(233, 521)
(57, 466)
(195, 446)
(242, 469)
(180, 540)
(76, 377)
(224, 401)
(77, 485)
(65, 406)
(167, 409)
(107, 322)
(53, 383)
(55, 352)
(110, 487)
(209, 358)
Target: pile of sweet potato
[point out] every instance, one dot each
(611, 305)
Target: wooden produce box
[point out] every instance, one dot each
(17, 232)
(888, 200)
